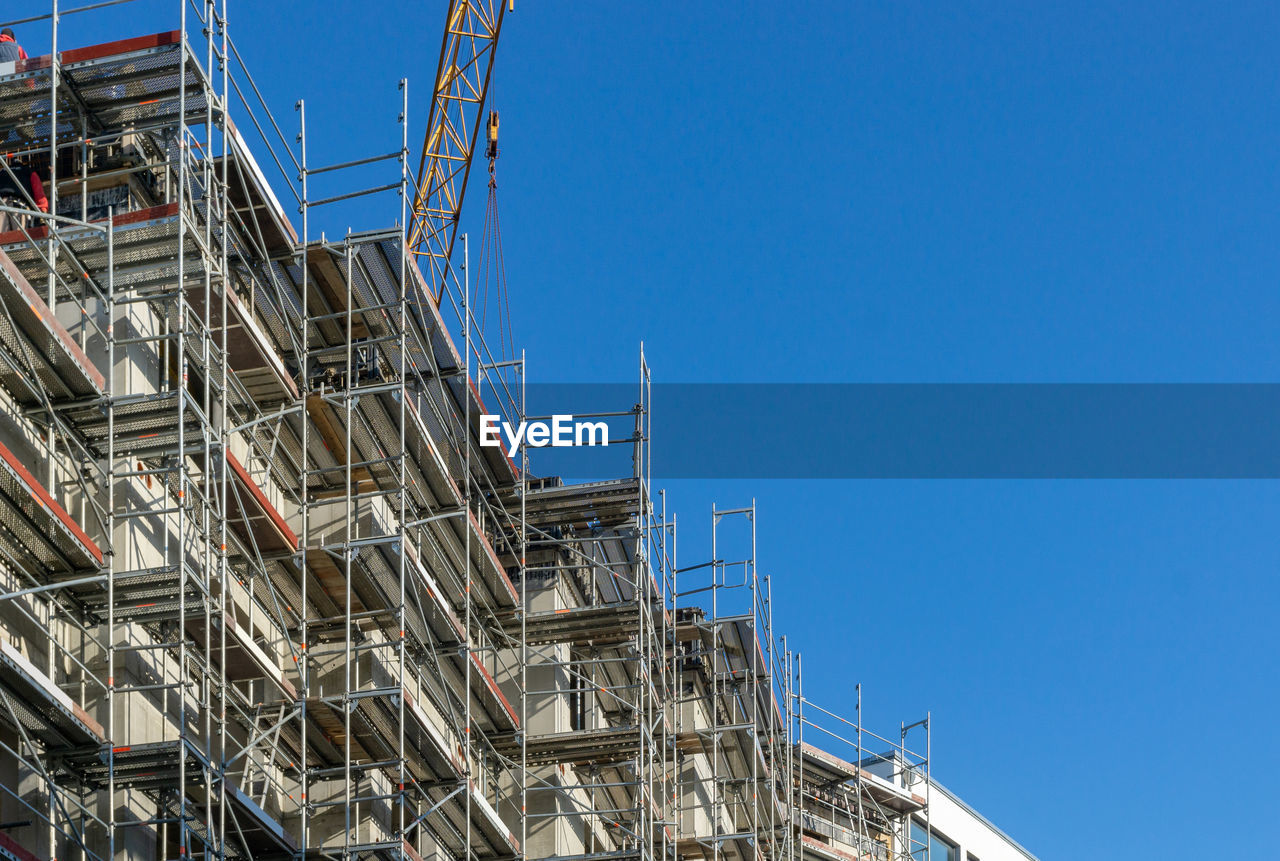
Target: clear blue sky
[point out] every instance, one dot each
(900, 191)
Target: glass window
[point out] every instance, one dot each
(932, 847)
(919, 842)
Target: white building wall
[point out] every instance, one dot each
(977, 838)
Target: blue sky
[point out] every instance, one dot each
(897, 192)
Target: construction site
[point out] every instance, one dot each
(264, 594)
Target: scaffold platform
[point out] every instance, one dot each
(41, 358)
(36, 530)
(41, 708)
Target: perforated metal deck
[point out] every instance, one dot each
(39, 351)
(130, 82)
(432, 757)
(599, 624)
(35, 529)
(601, 503)
(144, 424)
(40, 707)
(145, 251)
(375, 587)
(153, 768)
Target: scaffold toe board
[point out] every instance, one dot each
(140, 596)
(153, 768)
(491, 838)
(263, 836)
(499, 711)
(42, 709)
(253, 516)
(375, 587)
(11, 851)
(466, 397)
(35, 529)
(373, 281)
(375, 428)
(41, 357)
(825, 769)
(489, 571)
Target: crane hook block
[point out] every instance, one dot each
(491, 134)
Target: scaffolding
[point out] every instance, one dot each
(854, 794)
(265, 594)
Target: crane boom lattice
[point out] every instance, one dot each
(457, 109)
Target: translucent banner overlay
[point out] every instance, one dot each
(810, 430)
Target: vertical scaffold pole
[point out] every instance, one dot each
(54, 69)
(223, 430)
(753, 692)
(177, 559)
(524, 617)
(209, 679)
(349, 546)
(304, 678)
(800, 744)
(403, 310)
(111, 536)
(715, 689)
(466, 500)
(52, 254)
(789, 822)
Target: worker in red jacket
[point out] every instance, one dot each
(20, 187)
(10, 50)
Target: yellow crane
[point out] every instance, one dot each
(457, 107)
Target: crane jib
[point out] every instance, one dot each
(463, 73)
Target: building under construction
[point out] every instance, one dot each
(264, 595)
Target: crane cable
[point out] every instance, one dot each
(493, 269)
